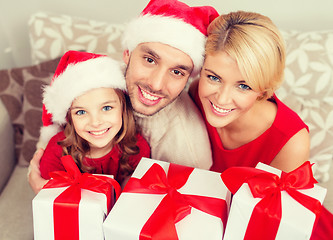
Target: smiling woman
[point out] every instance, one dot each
(226, 97)
(246, 122)
(244, 64)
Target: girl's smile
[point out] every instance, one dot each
(99, 133)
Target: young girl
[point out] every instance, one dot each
(246, 122)
(87, 98)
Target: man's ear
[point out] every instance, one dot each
(126, 56)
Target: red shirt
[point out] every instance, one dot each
(108, 164)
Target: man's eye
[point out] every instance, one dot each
(177, 72)
(244, 87)
(80, 112)
(107, 108)
(150, 60)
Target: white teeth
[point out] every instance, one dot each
(99, 132)
(220, 109)
(148, 96)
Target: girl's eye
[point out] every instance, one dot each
(213, 78)
(80, 112)
(244, 87)
(107, 108)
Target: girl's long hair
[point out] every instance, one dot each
(126, 139)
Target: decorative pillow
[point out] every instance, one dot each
(308, 90)
(21, 92)
(51, 35)
(11, 94)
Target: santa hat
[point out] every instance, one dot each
(77, 73)
(173, 23)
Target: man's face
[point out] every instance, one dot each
(156, 74)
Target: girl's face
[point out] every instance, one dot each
(226, 98)
(97, 118)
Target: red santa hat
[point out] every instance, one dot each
(77, 73)
(173, 23)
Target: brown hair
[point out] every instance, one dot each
(255, 43)
(126, 139)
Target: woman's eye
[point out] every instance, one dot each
(107, 108)
(213, 78)
(244, 87)
(80, 112)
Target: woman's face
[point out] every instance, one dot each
(226, 97)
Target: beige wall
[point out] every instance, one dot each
(287, 14)
(14, 15)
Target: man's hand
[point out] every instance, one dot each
(34, 177)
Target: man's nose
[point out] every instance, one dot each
(157, 80)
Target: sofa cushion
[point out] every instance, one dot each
(308, 90)
(11, 94)
(21, 92)
(7, 158)
(51, 35)
(39, 75)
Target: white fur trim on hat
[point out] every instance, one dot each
(46, 133)
(168, 30)
(77, 79)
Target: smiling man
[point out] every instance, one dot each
(164, 47)
(155, 76)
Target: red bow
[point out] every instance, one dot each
(65, 207)
(174, 206)
(268, 186)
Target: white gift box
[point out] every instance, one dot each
(296, 222)
(92, 212)
(132, 210)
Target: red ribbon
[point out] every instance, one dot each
(174, 206)
(66, 205)
(268, 186)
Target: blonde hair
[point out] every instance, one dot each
(255, 43)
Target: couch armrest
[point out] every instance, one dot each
(7, 155)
